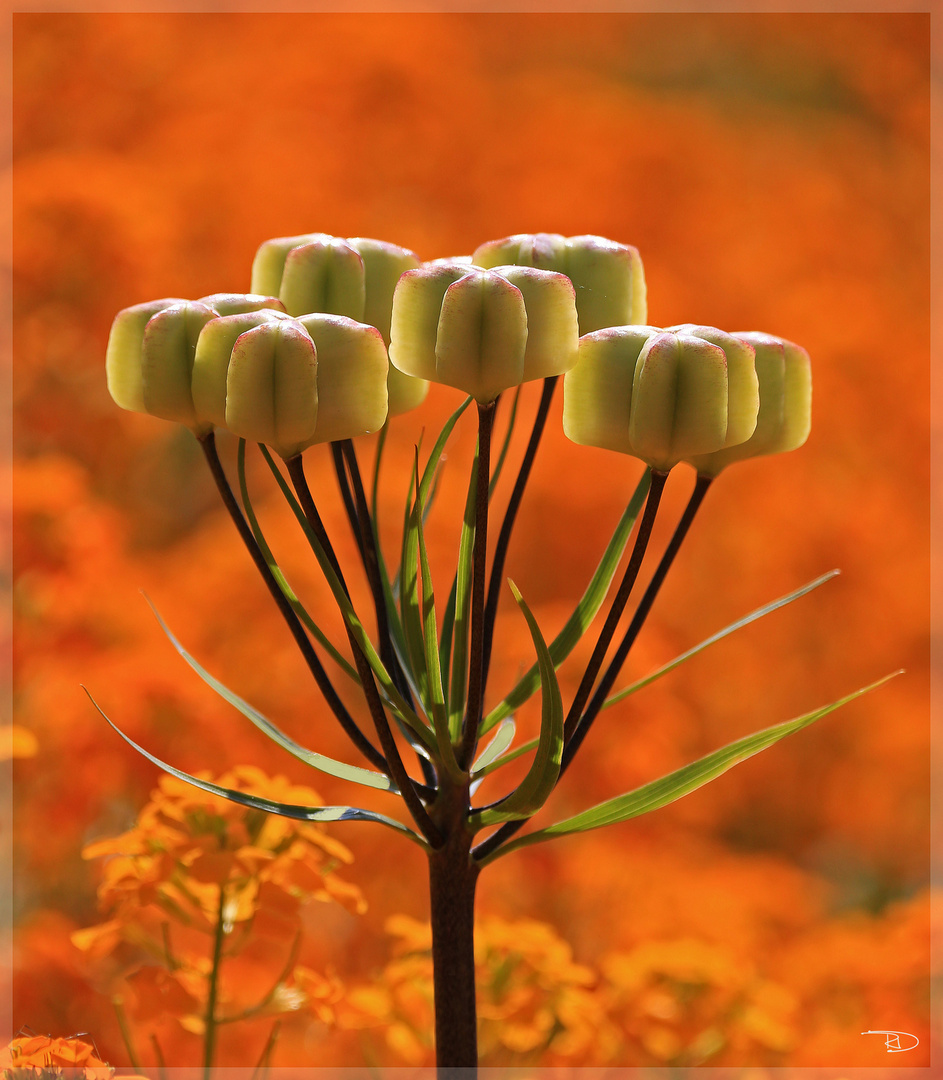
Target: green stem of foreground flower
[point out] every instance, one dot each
(476, 688)
(618, 604)
(510, 515)
(638, 619)
(347, 722)
(396, 770)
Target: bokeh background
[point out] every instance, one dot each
(773, 170)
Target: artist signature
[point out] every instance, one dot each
(892, 1040)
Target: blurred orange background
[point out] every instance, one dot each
(773, 170)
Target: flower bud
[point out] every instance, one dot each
(167, 355)
(239, 303)
(608, 277)
(269, 263)
(383, 266)
(352, 377)
(679, 399)
(271, 387)
(123, 355)
(211, 360)
(597, 392)
(325, 276)
(479, 331)
(785, 392)
(743, 395)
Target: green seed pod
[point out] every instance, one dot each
(325, 276)
(271, 387)
(608, 277)
(211, 361)
(239, 303)
(383, 266)
(743, 394)
(352, 377)
(481, 336)
(679, 399)
(552, 328)
(167, 354)
(123, 355)
(414, 321)
(784, 417)
(478, 331)
(597, 392)
(269, 263)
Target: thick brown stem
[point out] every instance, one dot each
(452, 879)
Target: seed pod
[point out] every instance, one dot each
(271, 387)
(167, 355)
(123, 356)
(743, 395)
(213, 354)
(352, 377)
(785, 392)
(597, 392)
(383, 266)
(239, 303)
(679, 399)
(268, 267)
(608, 277)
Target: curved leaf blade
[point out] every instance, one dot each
(681, 782)
(719, 636)
(503, 738)
(324, 764)
(533, 791)
(257, 802)
(584, 613)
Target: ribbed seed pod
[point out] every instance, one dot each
(608, 277)
(167, 354)
(784, 418)
(123, 364)
(239, 303)
(271, 387)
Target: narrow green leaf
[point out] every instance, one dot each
(431, 643)
(511, 755)
(534, 789)
(298, 608)
(445, 637)
(396, 701)
(458, 683)
(719, 636)
(377, 461)
(367, 777)
(584, 613)
(496, 470)
(503, 738)
(290, 810)
(408, 590)
(681, 782)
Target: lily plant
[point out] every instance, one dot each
(338, 335)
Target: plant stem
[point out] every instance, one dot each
(479, 568)
(638, 619)
(452, 879)
(508, 829)
(618, 604)
(209, 1037)
(347, 722)
(396, 769)
(510, 515)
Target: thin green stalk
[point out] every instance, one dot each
(209, 1039)
(510, 515)
(476, 662)
(347, 722)
(126, 1033)
(638, 619)
(618, 604)
(397, 770)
